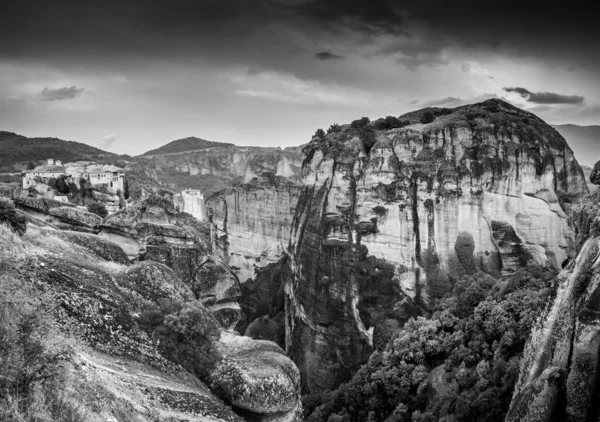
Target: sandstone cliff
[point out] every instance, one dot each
(560, 369)
(253, 224)
(386, 218)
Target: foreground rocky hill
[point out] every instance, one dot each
(127, 341)
(387, 219)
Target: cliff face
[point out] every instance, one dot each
(253, 224)
(218, 168)
(560, 368)
(386, 219)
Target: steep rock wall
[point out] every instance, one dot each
(560, 371)
(386, 219)
(252, 223)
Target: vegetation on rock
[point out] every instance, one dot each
(461, 364)
(9, 215)
(97, 208)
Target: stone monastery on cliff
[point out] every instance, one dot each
(95, 173)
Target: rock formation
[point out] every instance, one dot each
(253, 224)
(560, 369)
(219, 167)
(387, 218)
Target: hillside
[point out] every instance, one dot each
(583, 140)
(21, 149)
(186, 144)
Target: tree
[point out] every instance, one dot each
(360, 123)
(334, 128)
(8, 214)
(98, 209)
(126, 190)
(320, 133)
(427, 117)
(30, 165)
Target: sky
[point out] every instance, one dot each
(129, 76)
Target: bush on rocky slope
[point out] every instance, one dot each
(8, 215)
(31, 362)
(461, 364)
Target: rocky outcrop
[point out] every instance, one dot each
(386, 218)
(76, 216)
(560, 370)
(252, 223)
(153, 231)
(43, 205)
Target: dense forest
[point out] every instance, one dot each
(459, 365)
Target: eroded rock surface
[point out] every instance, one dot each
(253, 224)
(143, 344)
(560, 368)
(387, 218)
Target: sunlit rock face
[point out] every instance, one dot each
(560, 368)
(387, 218)
(253, 224)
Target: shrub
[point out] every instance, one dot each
(8, 215)
(368, 138)
(98, 209)
(334, 128)
(427, 117)
(389, 122)
(360, 123)
(319, 134)
(186, 332)
(31, 368)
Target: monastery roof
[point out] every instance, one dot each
(48, 169)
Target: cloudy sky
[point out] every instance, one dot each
(129, 76)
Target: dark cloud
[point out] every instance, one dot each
(443, 101)
(545, 97)
(191, 28)
(373, 17)
(456, 101)
(327, 55)
(64, 93)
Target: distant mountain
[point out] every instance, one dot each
(16, 149)
(184, 145)
(584, 141)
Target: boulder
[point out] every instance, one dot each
(76, 216)
(256, 376)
